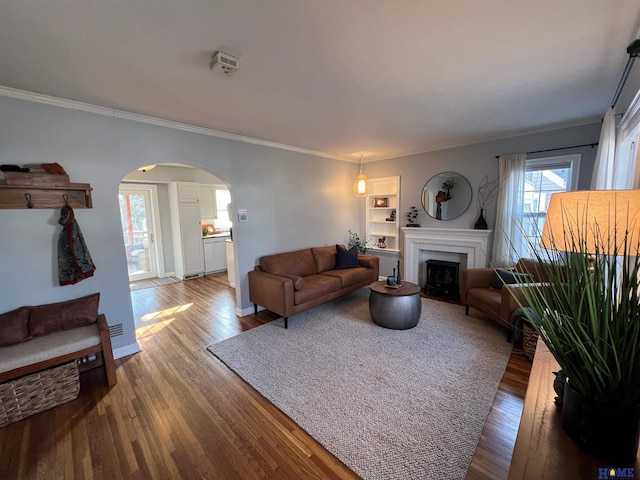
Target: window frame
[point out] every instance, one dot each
(571, 161)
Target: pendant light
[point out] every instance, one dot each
(361, 184)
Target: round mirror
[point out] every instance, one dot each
(446, 196)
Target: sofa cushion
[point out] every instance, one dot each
(351, 276)
(346, 258)
(506, 277)
(299, 262)
(325, 258)
(315, 286)
(13, 327)
(53, 317)
(298, 281)
(486, 299)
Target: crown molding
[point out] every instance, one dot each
(135, 117)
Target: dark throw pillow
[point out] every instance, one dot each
(346, 258)
(13, 327)
(46, 319)
(505, 277)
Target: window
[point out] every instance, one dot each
(543, 177)
(223, 198)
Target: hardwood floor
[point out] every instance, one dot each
(178, 412)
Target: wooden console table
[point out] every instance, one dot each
(543, 450)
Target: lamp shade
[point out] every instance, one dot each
(361, 186)
(593, 221)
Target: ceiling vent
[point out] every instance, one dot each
(225, 62)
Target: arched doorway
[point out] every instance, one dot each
(155, 240)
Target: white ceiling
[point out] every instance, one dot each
(333, 76)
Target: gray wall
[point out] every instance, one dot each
(293, 200)
(474, 162)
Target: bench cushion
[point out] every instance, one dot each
(13, 327)
(45, 348)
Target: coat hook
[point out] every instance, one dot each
(29, 202)
(65, 197)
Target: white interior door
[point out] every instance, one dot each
(138, 230)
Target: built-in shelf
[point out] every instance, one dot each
(76, 195)
(378, 249)
(384, 198)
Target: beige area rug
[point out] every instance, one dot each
(390, 404)
(154, 282)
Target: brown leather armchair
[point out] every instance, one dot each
(498, 304)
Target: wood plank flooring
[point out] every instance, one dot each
(178, 412)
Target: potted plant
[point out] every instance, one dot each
(412, 216)
(448, 185)
(588, 315)
(356, 241)
(487, 191)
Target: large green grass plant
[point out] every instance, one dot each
(588, 314)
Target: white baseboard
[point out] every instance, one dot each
(126, 350)
(169, 274)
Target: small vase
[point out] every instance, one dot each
(481, 223)
(610, 433)
(398, 279)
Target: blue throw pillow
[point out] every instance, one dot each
(346, 258)
(505, 277)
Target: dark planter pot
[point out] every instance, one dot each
(607, 432)
(481, 223)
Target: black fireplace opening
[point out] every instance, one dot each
(442, 279)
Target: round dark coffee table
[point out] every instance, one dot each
(396, 308)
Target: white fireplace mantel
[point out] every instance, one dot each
(468, 243)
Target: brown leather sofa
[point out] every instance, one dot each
(291, 282)
(498, 304)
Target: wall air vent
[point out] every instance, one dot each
(116, 330)
(225, 62)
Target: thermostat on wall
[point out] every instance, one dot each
(243, 216)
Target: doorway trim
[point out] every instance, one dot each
(152, 189)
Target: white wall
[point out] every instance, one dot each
(293, 200)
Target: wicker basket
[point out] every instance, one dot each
(529, 340)
(37, 392)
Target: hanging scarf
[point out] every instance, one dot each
(74, 260)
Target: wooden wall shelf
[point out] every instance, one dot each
(78, 195)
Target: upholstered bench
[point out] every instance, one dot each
(37, 338)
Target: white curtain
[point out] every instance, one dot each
(507, 238)
(616, 166)
(627, 174)
(603, 169)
